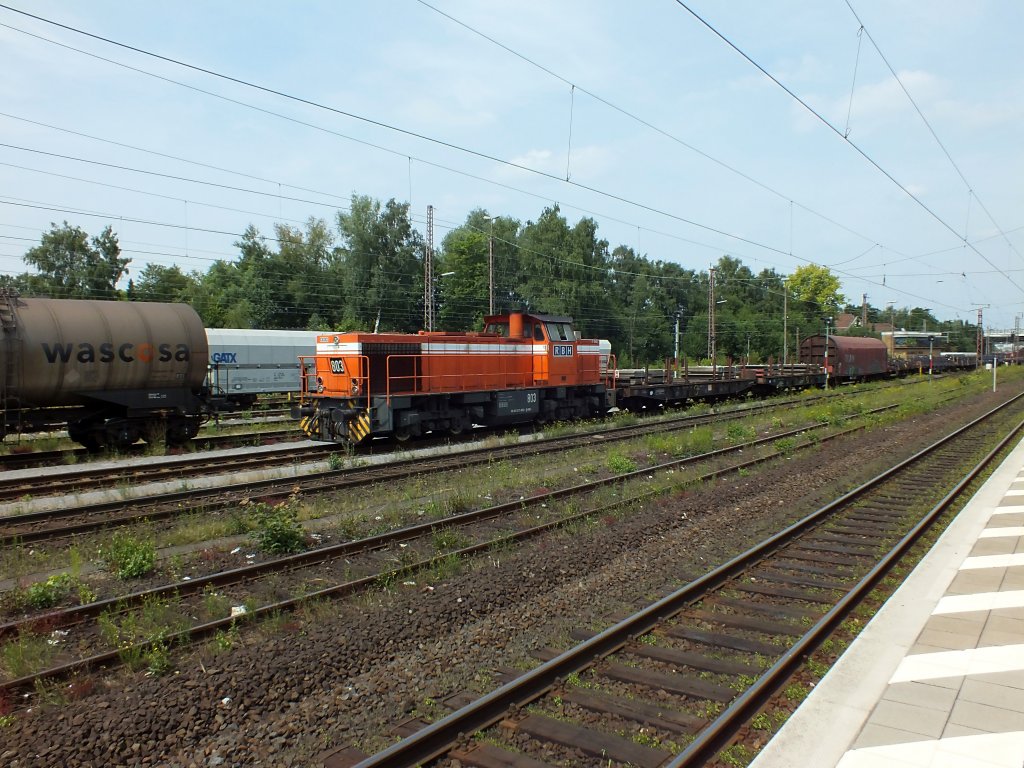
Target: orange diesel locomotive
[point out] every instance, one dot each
(521, 368)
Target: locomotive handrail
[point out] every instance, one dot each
(504, 378)
(310, 383)
(611, 367)
(308, 374)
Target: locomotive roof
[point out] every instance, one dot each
(535, 316)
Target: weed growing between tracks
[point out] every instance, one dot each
(56, 589)
(27, 653)
(276, 529)
(129, 556)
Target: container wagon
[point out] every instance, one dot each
(244, 364)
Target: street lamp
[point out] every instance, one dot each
(892, 329)
(785, 328)
(680, 309)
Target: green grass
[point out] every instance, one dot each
(129, 556)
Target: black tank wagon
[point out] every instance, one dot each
(111, 371)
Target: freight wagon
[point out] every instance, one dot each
(849, 358)
(113, 372)
(244, 364)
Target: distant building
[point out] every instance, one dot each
(847, 320)
(907, 344)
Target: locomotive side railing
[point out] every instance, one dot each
(361, 387)
(307, 376)
(500, 376)
(609, 365)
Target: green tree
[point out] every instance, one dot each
(71, 266)
(161, 283)
(237, 294)
(383, 266)
(815, 298)
(565, 271)
(464, 293)
(816, 287)
(643, 324)
(296, 274)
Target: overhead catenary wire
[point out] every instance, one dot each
(308, 102)
(753, 242)
(818, 116)
(644, 122)
(931, 130)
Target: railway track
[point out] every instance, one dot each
(63, 456)
(682, 675)
(351, 566)
(92, 478)
(74, 519)
(86, 477)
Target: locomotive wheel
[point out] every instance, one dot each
(457, 426)
(403, 435)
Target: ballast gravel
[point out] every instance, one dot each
(348, 672)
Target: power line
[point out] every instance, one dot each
(839, 133)
(378, 123)
(173, 198)
(931, 130)
(518, 190)
(646, 123)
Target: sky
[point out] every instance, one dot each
(773, 132)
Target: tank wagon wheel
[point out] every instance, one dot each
(91, 443)
(124, 436)
(180, 431)
(87, 435)
(154, 431)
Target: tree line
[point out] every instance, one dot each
(365, 271)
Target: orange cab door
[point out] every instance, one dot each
(534, 334)
(561, 354)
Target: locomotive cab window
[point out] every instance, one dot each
(538, 332)
(560, 332)
(501, 329)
